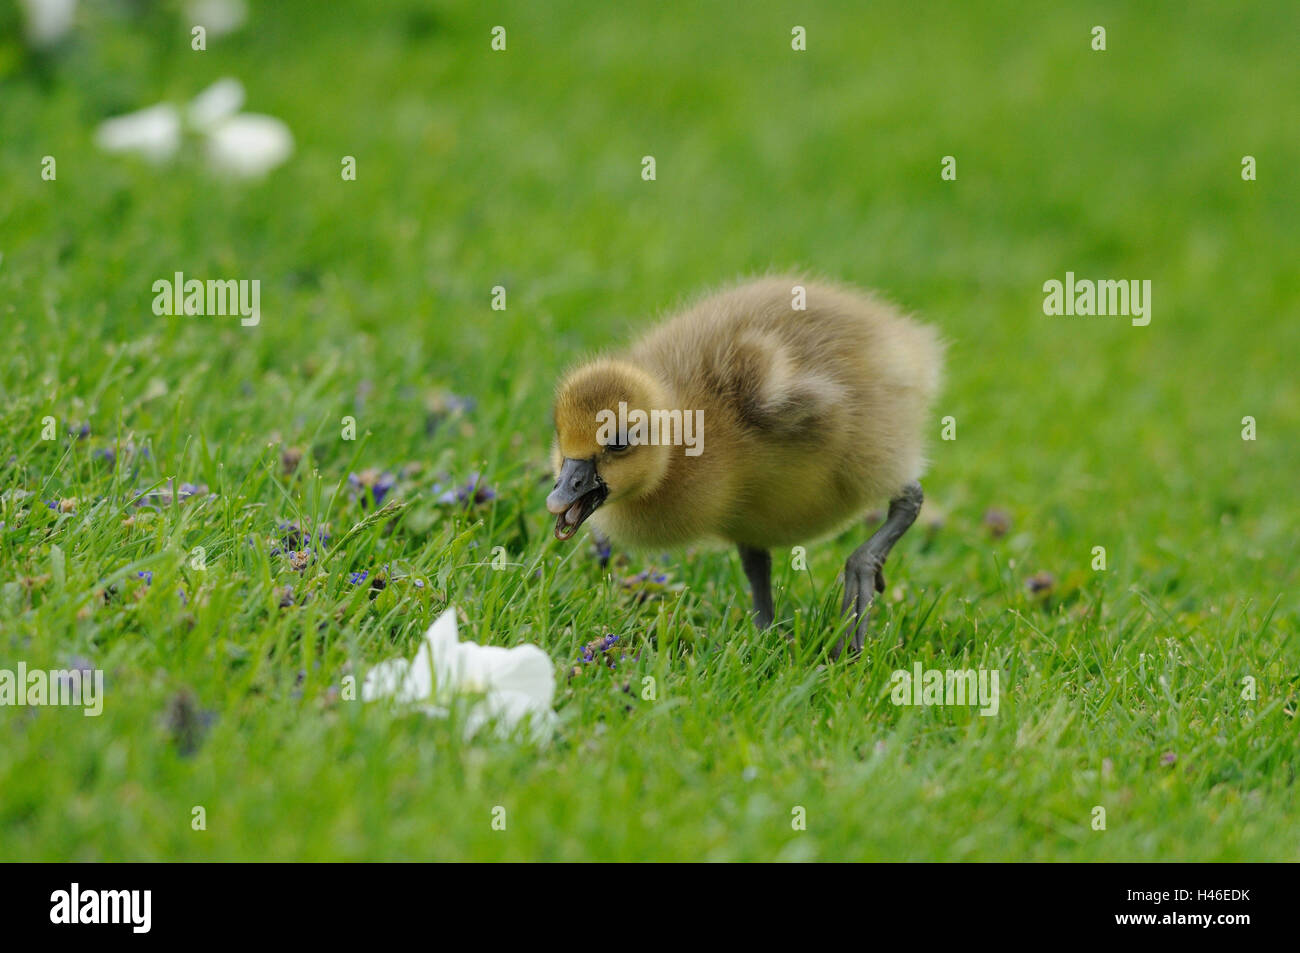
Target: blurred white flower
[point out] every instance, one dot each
(517, 684)
(218, 17)
(48, 21)
(242, 145)
(249, 145)
(219, 101)
(154, 133)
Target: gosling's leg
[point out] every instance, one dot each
(758, 568)
(864, 572)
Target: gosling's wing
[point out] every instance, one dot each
(772, 390)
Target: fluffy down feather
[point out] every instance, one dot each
(809, 417)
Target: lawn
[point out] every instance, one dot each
(1162, 689)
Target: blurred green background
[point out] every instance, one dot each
(522, 169)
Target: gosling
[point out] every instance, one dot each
(803, 418)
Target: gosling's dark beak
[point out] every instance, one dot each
(578, 493)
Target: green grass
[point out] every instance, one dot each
(522, 169)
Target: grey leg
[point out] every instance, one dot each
(864, 572)
(758, 568)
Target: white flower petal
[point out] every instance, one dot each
(48, 21)
(444, 649)
(419, 682)
(384, 680)
(517, 684)
(507, 712)
(249, 145)
(525, 669)
(218, 17)
(400, 680)
(154, 133)
(219, 101)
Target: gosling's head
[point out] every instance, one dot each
(593, 460)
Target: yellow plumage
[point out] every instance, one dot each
(808, 418)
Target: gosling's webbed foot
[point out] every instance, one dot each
(863, 577)
(864, 571)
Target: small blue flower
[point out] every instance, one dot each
(146, 575)
(600, 648)
(357, 578)
(369, 483)
(475, 490)
(166, 494)
(443, 406)
(293, 537)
